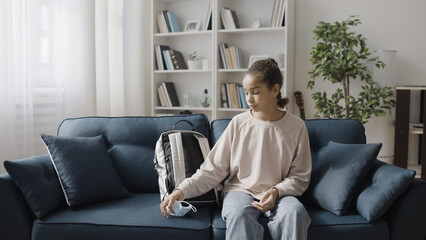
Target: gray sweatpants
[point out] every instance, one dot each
(288, 220)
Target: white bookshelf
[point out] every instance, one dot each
(252, 41)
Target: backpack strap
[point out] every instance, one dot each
(183, 120)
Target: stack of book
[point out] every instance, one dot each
(208, 21)
(167, 95)
(167, 22)
(229, 18)
(278, 14)
(231, 56)
(233, 96)
(169, 59)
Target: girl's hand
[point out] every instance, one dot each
(178, 195)
(268, 200)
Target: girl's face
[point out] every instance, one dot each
(258, 96)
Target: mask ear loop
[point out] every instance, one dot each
(190, 205)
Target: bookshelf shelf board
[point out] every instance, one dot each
(240, 70)
(184, 108)
(253, 30)
(184, 71)
(233, 70)
(183, 34)
(233, 109)
(418, 131)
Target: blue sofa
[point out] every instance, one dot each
(131, 142)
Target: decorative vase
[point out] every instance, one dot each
(192, 65)
(205, 99)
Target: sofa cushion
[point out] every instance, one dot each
(379, 190)
(85, 170)
(131, 142)
(338, 171)
(322, 131)
(324, 225)
(38, 182)
(218, 127)
(137, 217)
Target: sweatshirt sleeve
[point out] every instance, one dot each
(298, 178)
(214, 169)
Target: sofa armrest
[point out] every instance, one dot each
(16, 218)
(407, 215)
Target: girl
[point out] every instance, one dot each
(267, 155)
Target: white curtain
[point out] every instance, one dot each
(67, 58)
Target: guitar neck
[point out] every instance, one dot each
(302, 113)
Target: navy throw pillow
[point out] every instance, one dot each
(38, 182)
(338, 171)
(382, 186)
(85, 170)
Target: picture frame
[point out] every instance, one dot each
(254, 58)
(192, 26)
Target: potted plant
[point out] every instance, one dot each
(339, 56)
(193, 61)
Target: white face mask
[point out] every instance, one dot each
(181, 210)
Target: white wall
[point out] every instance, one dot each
(387, 24)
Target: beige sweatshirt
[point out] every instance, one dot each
(258, 155)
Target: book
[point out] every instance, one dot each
(243, 97)
(223, 18)
(281, 11)
(208, 21)
(274, 13)
(166, 21)
(166, 96)
(239, 57)
(234, 57)
(166, 61)
(235, 22)
(223, 55)
(229, 18)
(223, 95)
(177, 59)
(233, 94)
(159, 55)
(171, 93)
(173, 21)
(160, 23)
(161, 97)
(237, 92)
(229, 58)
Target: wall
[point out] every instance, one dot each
(387, 24)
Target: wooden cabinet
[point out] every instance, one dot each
(402, 127)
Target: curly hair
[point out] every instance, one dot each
(268, 72)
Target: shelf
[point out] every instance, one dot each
(240, 70)
(184, 71)
(410, 87)
(253, 30)
(233, 109)
(183, 34)
(418, 131)
(184, 108)
(266, 40)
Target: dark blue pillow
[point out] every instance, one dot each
(338, 171)
(38, 182)
(382, 186)
(85, 170)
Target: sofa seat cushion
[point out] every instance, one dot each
(137, 217)
(324, 226)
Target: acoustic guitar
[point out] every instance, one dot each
(300, 104)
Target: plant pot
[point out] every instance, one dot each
(192, 65)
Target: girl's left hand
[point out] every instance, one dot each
(268, 200)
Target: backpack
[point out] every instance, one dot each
(178, 155)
